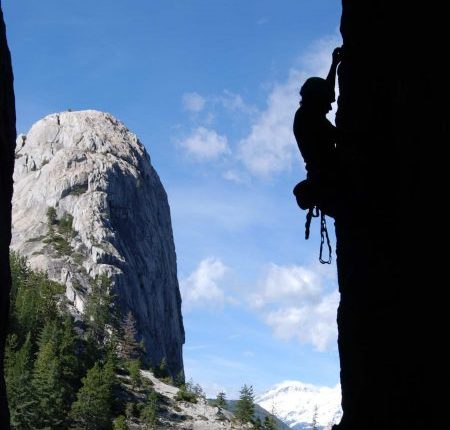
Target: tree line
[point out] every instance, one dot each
(244, 409)
(62, 373)
(66, 373)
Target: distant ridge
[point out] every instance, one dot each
(294, 403)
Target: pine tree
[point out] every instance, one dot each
(185, 394)
(221, 401)
(197, 389)
(161, 370)
(51, 217)
(98, 309)
(34, 299)
(131, 410)
(62, 336)
(257, 425)
(45, 357)
(314, 424)
(92, 409)
(149, 413)
(179, 379)
(270, 423)
(134, 369)
(269, 420)
(20, 394)
(245, 406)
(34, 372)
(52, 221)
(120, 423)
(50, 295)
(71, 365)
(130, 348)
(47, 387)
(20, 272)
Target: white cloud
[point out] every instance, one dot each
(193, 102)
(270, 146)
(205, 144)
(314, 323)
(288, 284)
(293, 302)
(228, 100)
(234, 176)
(201, 288)
(235, 103)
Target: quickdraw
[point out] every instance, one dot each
(324, 235)
(314, 212)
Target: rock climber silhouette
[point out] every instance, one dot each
(316, 139)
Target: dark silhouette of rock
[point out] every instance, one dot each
(7, 145)
(393, 110)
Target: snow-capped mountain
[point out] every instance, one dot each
(296, 404)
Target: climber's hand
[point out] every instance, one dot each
(337, 55)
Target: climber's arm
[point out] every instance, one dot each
(331, 78)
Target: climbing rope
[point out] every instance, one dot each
(323, 236)
(314, 212)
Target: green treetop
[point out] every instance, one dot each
(120, 423)
(98, 312)
(270, 423)
(221, 401)
(18, 373)
(92, 409)
(47, 386)
(245, 406)
(149, 413)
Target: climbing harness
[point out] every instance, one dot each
(314, 212)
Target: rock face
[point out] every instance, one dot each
(90, 175)
(393, 113)
(7, 144)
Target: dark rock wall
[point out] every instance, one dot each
(7, 145)
(393, 115)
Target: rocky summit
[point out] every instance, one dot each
(87, 202)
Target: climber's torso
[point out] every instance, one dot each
(316, 138)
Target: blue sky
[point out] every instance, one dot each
(210, 87)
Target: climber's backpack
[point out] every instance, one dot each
(305, 194)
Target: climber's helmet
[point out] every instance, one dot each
(316, 89)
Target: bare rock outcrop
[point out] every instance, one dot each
(88, 202)
(7, 142)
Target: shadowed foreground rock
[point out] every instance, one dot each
(393, 110)
(7, 143)
(111, 216)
